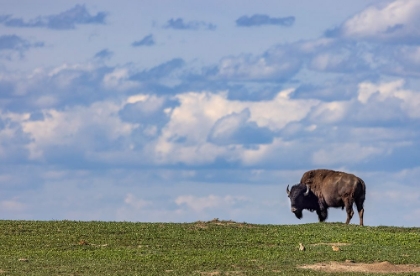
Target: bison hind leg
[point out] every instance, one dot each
(349, 209)
(360, 209)
(350, 214)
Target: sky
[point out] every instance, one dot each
(179, 111)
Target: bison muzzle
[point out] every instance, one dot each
(320, 189)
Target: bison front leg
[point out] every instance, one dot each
(322, 210)
(322, 214)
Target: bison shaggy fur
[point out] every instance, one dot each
(320, 189)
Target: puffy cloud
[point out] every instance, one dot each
(204, 117)
(119, 79)
(82, 129)
(330, 112)
(262, 19)
(63, 86)
(407, 100)
(192, 128)
(150, 114)
(395, 22)
(382, 104)
(179, 24)
(65, 20)
(235, 129)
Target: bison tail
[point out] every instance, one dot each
(363, 185)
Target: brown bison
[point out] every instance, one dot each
(320, 189)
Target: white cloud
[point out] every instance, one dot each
(192, 122)
(330, 112)
(77, 127)
(281, 110)
(149, 103)
(266, 153)
(409, 100)
(71, 68)
(230, 124)
(119, 80)
(396, 21)
(137, 98)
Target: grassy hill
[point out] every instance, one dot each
(201, 248)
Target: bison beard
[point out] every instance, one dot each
(321, 189)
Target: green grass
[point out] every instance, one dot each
(202, 248)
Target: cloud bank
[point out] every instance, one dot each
(175, 138)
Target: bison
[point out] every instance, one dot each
(320, 189)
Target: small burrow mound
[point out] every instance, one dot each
(380, 267)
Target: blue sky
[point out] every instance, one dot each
(179, 111)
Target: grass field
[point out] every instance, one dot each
(201, 248)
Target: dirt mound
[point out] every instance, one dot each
(383, 267)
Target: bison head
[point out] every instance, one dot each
(301, 198)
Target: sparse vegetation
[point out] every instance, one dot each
(201, 248)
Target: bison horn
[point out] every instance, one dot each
(287, 190)
(307, 190)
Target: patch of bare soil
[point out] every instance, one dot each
(383, 267)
